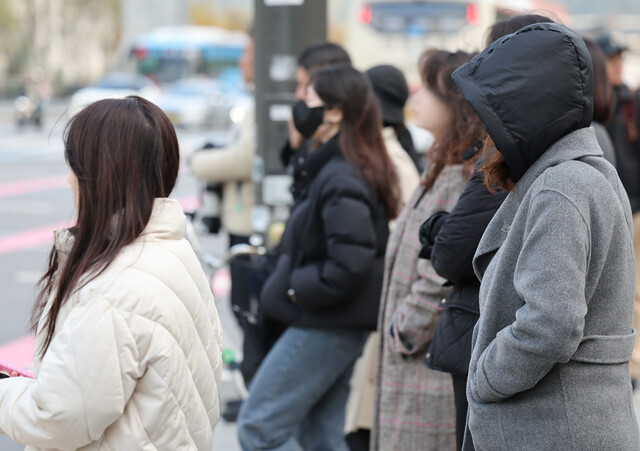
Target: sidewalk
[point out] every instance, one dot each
(225, 434)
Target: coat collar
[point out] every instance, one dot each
(574, 146)
(321, 156)
(388, 133)
(167, 222)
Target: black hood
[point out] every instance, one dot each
(530, 89)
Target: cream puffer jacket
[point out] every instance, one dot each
(232, 165)
(135, 362)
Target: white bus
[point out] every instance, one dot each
(171, 53)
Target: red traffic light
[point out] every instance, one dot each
(365, 15)
(473, 13)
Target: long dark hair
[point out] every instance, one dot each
(513, 24)
(464, 128)
(603, 96)
(321, 55)
(124, 154)
(360, 140)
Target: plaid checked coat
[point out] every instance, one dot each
(414, 408)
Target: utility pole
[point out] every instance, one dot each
(283, 28)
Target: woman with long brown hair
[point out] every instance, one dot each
(449, 242)
(128, 340)
(414, 404)
(327, 280)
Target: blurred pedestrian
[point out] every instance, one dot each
(128, 340)
(449, 242)
(392, 94)
(327, 280)
(296, 149)
(624, 130)
(414, 407)
(550, 361)
(603, 100)
(232, 166)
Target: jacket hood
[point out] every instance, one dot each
(530, 89)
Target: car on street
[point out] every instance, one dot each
(200, 103)
(115, 85)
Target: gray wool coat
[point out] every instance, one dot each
(550, 362)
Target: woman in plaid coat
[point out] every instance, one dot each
(414, 407)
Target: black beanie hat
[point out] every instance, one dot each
(392, 92)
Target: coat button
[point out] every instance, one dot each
(300, 160)
(444, 301)
(428, 355)
(303, 173)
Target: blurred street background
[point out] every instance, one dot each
(58, 55)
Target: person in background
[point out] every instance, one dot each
(232, 166)
(414, 407)
(327, 279)
(295, 150)
(449, 242)
(550, 352)
(624, 130)
(603, 100)
(128, 339)
(392, 93)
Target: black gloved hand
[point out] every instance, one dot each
(429, 231)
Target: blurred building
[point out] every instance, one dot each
(398, 31)
(64, 42)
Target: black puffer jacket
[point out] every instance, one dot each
(627, 151)
(450, 242)
(295, 160)
(329, 272)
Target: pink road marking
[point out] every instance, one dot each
(189, 203)
(30, 238)
(221, 285)
(33, 185)
(19, 352)
(44, 235)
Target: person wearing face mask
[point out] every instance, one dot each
(313, 57)
(295, 150)
(327, 279)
